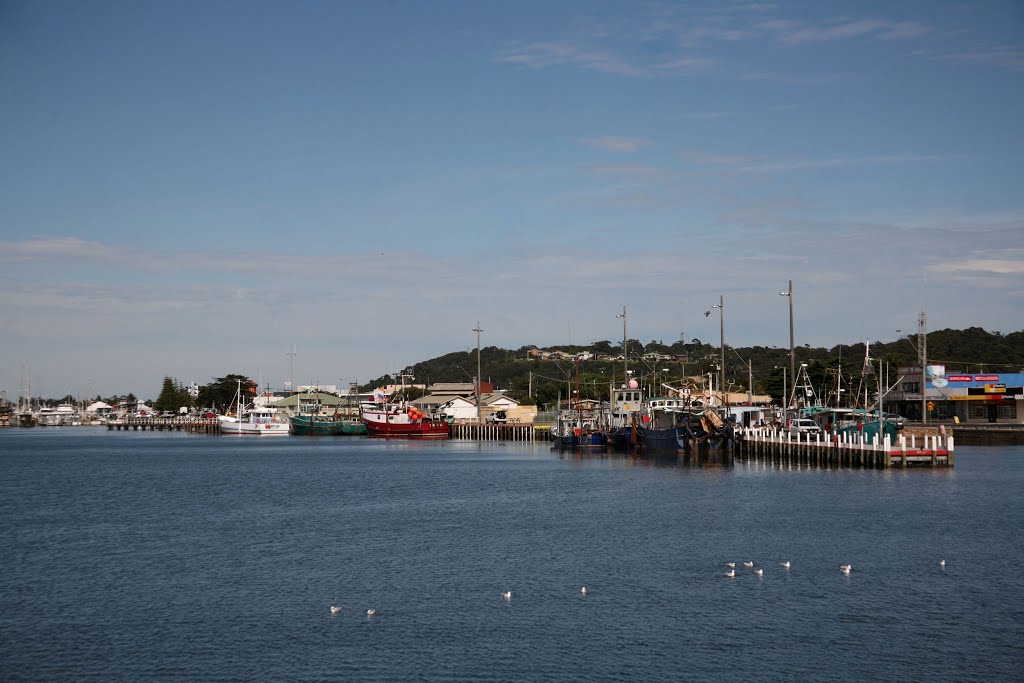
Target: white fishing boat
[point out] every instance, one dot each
(252, 421)
(48, 417)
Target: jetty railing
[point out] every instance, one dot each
(196, 425)
(844, 449)
(489, 431)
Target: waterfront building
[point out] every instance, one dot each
(966, 397)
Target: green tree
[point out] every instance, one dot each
(221, 392)
(168, 396)
(172, 396)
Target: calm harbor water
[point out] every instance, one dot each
(172, 556)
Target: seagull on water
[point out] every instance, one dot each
(846, 568)
(730, 565)
(759, 571)
(785, 565)
(942, 563)
(731, 573)
(748, 564)
(583, 590)
(335, 610)
(370, 612)
(507, 595)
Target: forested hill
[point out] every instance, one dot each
(530, 379)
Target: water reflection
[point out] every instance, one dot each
(700, 458)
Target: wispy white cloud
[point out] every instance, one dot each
(622, 145)
(698, 157)
(843, 29)
(904, 29)
(1003, 262)
(1000, 56)
(630, 170)
(541, 55)
(839, 162)
(684, 65)
(1002, 268)
(789, 78)
(58, 247)
(707, 115)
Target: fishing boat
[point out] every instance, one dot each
(663, 426)
(310, 421)
(48, 417)
(324, 425)
(252, 421)
(625, 405)
(573, 430)
(398, 420)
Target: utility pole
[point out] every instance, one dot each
(721, 321)
(625, 349)
(922, 345)
(291, 368)
(792, 356)
(478, 331)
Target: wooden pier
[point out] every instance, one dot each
(200, 425)
(493, 432)
(844, 450)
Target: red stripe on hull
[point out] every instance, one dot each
(407, 431)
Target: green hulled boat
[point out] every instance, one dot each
(325, 425)
(316, 425)
(353, 427)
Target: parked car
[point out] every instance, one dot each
(803, 425)
(894, 419)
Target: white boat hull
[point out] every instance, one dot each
(229, 425)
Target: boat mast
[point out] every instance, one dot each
(625, 351)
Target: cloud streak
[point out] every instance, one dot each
(540, 55)
(621, 145)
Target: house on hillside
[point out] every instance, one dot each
(441, 393)
(496, 407)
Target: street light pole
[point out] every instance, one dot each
(721, 321)
(792, 357)
(478, 331)
(625, 351)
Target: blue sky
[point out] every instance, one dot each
(193, 188)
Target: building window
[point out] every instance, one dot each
(912, 387)
(979, 410)
(1008, 410)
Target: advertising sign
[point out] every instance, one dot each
(933, 371)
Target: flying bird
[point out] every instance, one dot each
(707, 313)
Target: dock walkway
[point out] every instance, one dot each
(196, 425)
(844, 450)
